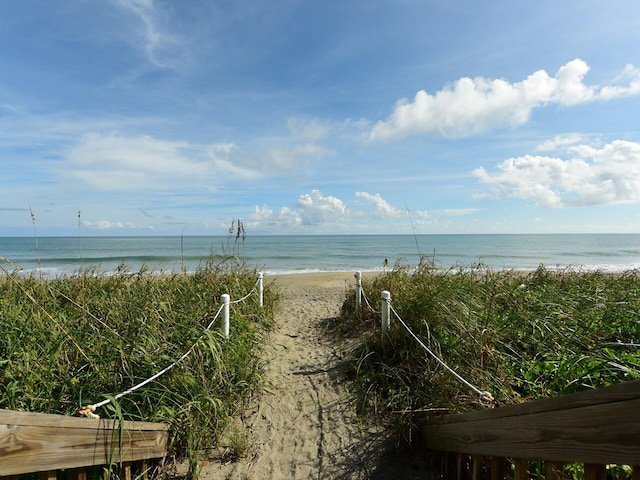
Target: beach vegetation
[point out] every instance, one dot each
(518, 335)
(76, 340)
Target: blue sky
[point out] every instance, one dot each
(301, 117)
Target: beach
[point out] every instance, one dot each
(305, 424)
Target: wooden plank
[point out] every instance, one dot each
(33, 442)
(612, 394)
(12, 417)
(601, 433)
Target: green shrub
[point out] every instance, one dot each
(517, 335)
(76, 340)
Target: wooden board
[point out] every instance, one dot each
(599, 426)
(35, 442)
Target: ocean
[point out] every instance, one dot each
(55, 256)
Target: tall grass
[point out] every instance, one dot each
(518, 335)
(77, 340)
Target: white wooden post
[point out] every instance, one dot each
(225, 298)
(358, 276)
(386, 311)
(261, 289)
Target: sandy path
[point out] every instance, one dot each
(305, 425)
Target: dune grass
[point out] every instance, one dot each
(518, 335)
(76, 340)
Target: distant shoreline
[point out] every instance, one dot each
(314, 280)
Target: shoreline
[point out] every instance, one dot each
(315, 279)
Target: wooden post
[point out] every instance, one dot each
(477, 466)
(594, 471)
(497, 468)
(521, 469)
(142, 468)
(386, 312)
(79, 474)
(260, 289)
(553, 470)
(358, 276)
(444, 464)
(125, 472)
(636, 473)
(225, 299)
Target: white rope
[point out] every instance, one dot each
(366, 300)
(89, 409)
(484, 396)
(247, 295)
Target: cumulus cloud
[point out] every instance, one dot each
(474, 105)
(382, 207)
(265, 217)
(315, 208)
(592, 176)
(311, 209)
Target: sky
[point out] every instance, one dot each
(154, 117)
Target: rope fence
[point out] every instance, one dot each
(486, 398)
(89, 410)
(224, 310)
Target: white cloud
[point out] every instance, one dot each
(471, 106)
(560, 141)
(609, 175)
(458, 212)
(308, 130)
(229, 161)
(115, 162)
(108, 225)
(630, 74)
(423, 215)
(311, 210)
(286, 158)
(118, 162)
(163, 48)
(265, 217)
(315, 208)
(383, 208)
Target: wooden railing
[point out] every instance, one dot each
(595, 427)
(36, 442)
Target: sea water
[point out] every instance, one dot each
(54, 256)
